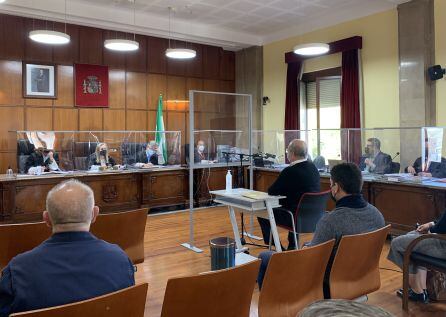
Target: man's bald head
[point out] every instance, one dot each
(70, 207)
(297, 150)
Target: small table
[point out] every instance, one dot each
(256, 204)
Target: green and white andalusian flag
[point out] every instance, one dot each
(160, 136)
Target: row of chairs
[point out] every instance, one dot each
(293, 280)
(125, 229)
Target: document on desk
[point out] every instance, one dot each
(253, 194)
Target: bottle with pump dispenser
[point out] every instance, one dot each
(228, 181)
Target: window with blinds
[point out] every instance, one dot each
(323, 113)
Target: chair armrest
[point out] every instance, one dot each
(412, 245)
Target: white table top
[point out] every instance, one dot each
(237, 193)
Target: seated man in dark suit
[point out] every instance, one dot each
(375, 161)
(295, 180)
(426, 167)
(72, 265)
(42, 160)
(149, 156)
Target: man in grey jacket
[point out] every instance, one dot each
(352, 215)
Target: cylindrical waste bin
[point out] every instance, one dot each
(222, 253)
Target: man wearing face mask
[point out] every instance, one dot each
(200, 153)
(42, 160)
(352, 214)
(149, 156)
(375, 161)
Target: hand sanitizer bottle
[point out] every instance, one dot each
(228, 181)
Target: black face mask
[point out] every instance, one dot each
(332, 197)
(103, 152)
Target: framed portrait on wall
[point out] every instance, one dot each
(39, 81)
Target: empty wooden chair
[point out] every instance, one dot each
(293, 280)
(224, 293)
(19, 238)
(128, 302)
(355, 269)
(125, 229)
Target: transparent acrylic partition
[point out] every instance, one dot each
(220, 127)
(79, 150)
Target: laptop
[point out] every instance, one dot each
(333, 163)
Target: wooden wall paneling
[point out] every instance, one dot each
(211, 62)
(156, 85)
(136, 90)
(37, 52)
(116, 91)
(11, 83)
(136, 120)
(209, 101)
(195, 65)
(176, 90)
(156, 58)
(114, 59)
(90, 45)
(193, 84)
(69, 53)
(8, 159)
(65, 119)
(137, 61)
(229, 103)
(227, 65)
(39, 119)
(65, 86)
(151, 123)
(11, 119)
(38, 102)
(114, 120)
(12, 31)
(90, 119)
(176, 121)
(177, 67)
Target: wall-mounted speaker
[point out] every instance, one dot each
(436, 72)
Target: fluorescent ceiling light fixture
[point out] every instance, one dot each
(49, 37)
(180, 53)
(1, 1)
(311, 49)
(121, 45)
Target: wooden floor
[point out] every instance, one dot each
(165, 258)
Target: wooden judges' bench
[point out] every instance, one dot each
(22, 199)
(402, 204)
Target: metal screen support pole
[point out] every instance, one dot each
(191, 244)
(251, 171)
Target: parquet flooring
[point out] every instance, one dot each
(166, 258)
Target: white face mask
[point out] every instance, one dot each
(201, 148)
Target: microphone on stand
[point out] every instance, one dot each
(397, 153)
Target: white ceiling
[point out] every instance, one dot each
(232, 24)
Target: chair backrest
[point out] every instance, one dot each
(129, 302)
(19, 238)
(125, 229)
(395, 167)
(319, 162)
(224, 293)
(355, 269)
(310, 210)
(293, 280)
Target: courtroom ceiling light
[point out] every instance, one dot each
(50, 36)
(178, 53)
(121, 45)
(1, 1)
(124, 45)
(311, 49)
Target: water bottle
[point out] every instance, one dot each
(9, 172)
(228, 181)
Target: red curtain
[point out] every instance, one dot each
(350, 107)
(292, 102)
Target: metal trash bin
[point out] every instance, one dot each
(222, 253)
